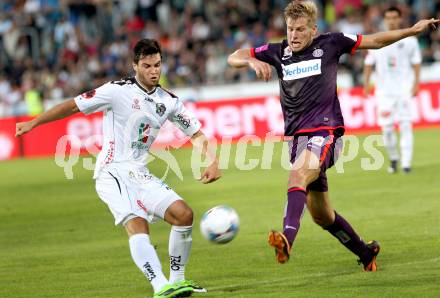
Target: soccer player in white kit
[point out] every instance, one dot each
(134, 110)
(398, 72)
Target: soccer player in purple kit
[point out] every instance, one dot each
(306, 65)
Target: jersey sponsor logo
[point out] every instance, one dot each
(143, 132)
(88, 94)
(183, 120)
(135, 104)
(262, 48)
(301, 69)
(160, 109)
(318, 53)
(142, 139)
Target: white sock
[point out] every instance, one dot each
(390, 141)
(146, 259)
(406, 143)
(179, 249)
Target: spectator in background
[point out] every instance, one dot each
(5, 89)
(13, 104)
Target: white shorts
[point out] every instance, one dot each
(392, 109)
(134, 193)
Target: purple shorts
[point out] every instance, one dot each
(326, 144)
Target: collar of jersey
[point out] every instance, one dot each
(143, 89)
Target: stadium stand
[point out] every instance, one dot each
(53, 49)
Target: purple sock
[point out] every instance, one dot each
(296, 202)
(342, 230)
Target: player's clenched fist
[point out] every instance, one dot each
(23, 127)
(262, 69)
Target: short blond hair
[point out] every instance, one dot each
(298, 9)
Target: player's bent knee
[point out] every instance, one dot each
(136, 225)
(186, 218)
(179, 214)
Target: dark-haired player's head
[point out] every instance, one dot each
(392, 18)
(147, 62)
(300, 19)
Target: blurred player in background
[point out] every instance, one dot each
(306, 66)
(398, 76)
(134, 110)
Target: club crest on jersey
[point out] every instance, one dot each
(287, 53)
(318, 53)
(160, 109)
(135, 104)
(301, 69)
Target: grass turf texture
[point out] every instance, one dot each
(58, 240)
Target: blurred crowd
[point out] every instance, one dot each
(53, 49)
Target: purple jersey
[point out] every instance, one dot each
(308, 80)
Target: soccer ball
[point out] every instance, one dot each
(220, 224)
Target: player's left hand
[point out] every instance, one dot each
(211, 173)
(423, 25)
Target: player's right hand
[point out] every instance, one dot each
(23, 127)
(423, 25)
(262, 69)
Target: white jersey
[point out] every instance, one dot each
(395, 74)
(132, 120)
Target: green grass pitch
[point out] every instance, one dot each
(57, 239)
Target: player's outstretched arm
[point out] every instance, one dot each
(382, 39)
(243, 58)
(59, 111)
(212, 172)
